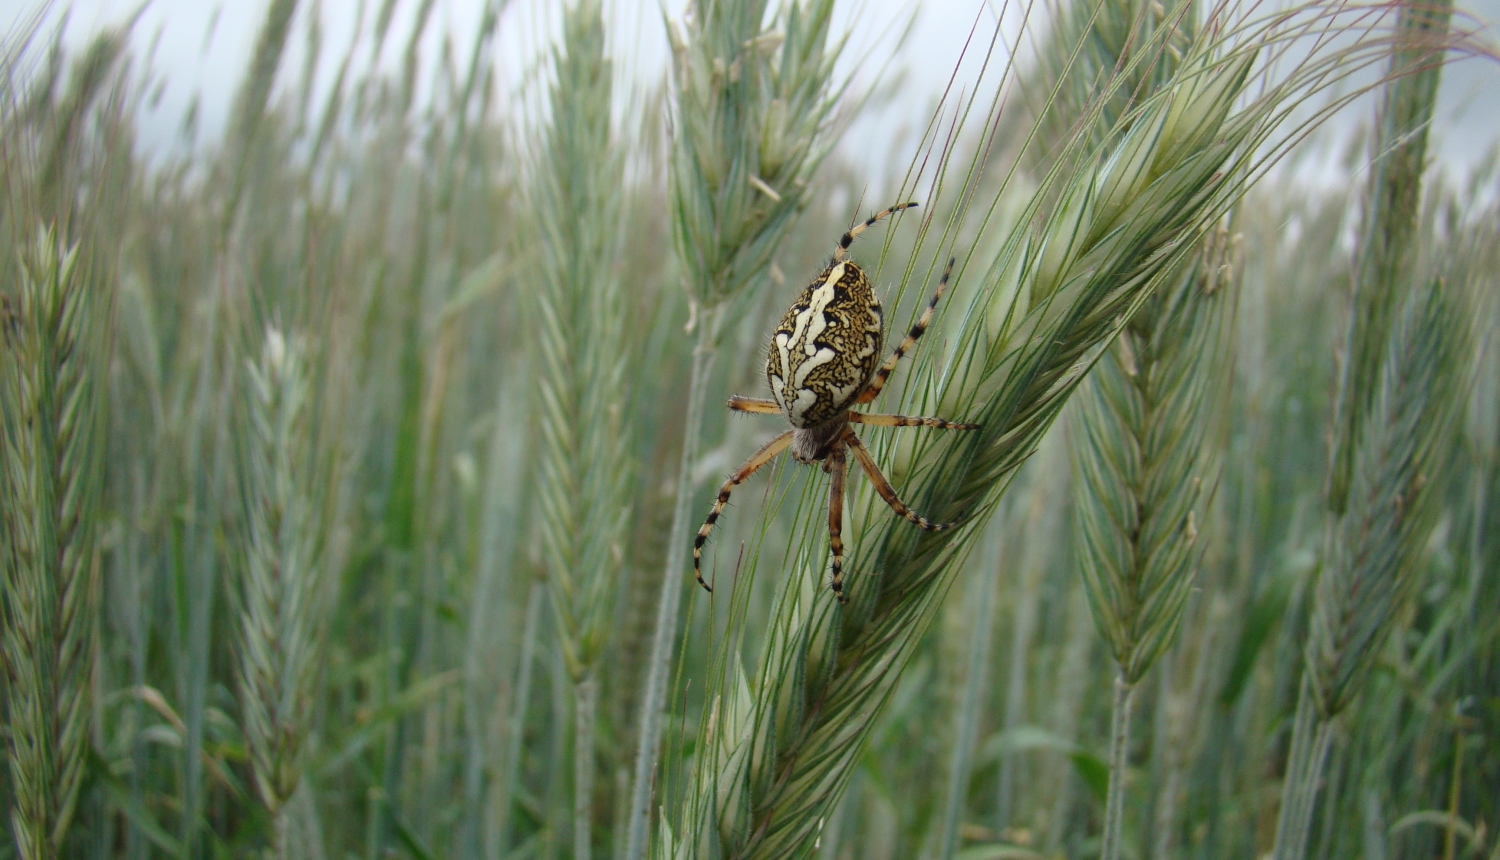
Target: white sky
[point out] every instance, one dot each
(202, 47)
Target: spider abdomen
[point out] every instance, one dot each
(827, 346)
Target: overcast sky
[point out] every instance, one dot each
(202, 47)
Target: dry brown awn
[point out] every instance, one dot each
(822, 361)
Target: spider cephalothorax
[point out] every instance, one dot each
(821, 361)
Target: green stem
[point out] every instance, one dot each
(975, 692)
(1167, 747)
(280, 826)
(1023, 630)
(1453, 793)
(1304, 770)
(653, 703)
(484, 691)
(1119, 748)
(518, 715)
(585, 706)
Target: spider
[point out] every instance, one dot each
(821, 361)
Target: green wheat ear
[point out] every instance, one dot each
(1145, 461)
(55, 350)
(584, 474)
(754, 99)
(1393, 424)
(1142, 455)
(280, 618)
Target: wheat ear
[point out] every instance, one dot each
(1143, 462)
(280, 614)
(55, 353)
(583, 485)
(1392, 421)
(753, 99)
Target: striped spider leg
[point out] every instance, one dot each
(836, 466)
(917, 330)
(766, 454)
(841, 252)
(821, 361)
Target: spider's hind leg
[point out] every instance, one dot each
(887, 492)
(836, 470)
(766, 454)
(876, 420)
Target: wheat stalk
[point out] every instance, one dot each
(55, 352)
(1369, 569)
(1388, 229)
(1391, 425)
(975, 687)
(1046, 508)
(584, 478)
(753, 102)
(1142, 459)
(1143, 462)
(202, 409)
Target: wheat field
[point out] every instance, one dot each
(352, 456)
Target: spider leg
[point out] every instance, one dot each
(766, 454)
(873, 420)
(753, 404)
(836, 469)
(917, 331)
(847, 239)
(886, 491)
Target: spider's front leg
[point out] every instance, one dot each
(842, 251)
(885, 371)
(766, 454)
(753, 404)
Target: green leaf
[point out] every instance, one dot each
(997, 851)
(1093, 771)
(411, 699)
(129, 805)
(1267, 610)
(1091, 768)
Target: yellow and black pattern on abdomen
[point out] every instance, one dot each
(826, 348)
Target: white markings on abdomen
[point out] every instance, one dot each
(802, 342)
(813, 319)
(818, 359)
